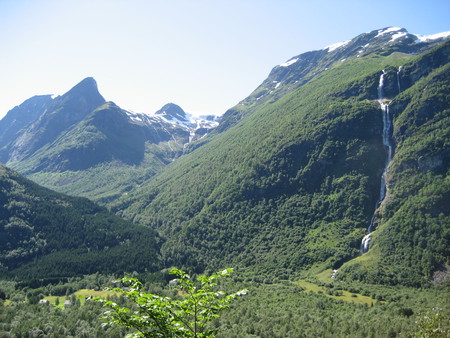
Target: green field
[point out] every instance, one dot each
(81, 295)
(343, 295)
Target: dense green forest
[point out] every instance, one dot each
(279, 308)
(48, 234)
(294, 183)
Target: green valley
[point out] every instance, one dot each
(326, 189)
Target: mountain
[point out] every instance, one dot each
(47, 234)
(294, 174)
(172, 117)
(22, 115)
(172, 112)
(64, 112)
(300, 69)
(80, 144)
(316, 188)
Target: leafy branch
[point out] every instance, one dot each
(155, 316)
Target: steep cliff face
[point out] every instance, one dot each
(63, 113)
(411, 241)
(21, 116)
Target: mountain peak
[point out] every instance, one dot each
(83, 97)
(63, 112)
(88, 79)
(387, 37)
(86, 86)
(173, 112)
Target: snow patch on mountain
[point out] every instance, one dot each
(382, 32)
(425, 38)
(134, 116)
(337, 45)
(180, 120)
(398, 35)
(195, 125)
(289, 62)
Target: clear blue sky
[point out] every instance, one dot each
(205, 55)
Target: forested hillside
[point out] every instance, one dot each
(293, 182)
(47, 234)
(291, 178)
(414, 236)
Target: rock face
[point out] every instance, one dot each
(441, 275)
(63, 113)
(21, 116)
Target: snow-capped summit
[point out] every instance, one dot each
(300, 69)
(174, 113)
(337, 45)
(172, 117)
(388, 30)
(426, 38)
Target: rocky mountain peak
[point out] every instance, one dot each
(85, 92)
(63, 112)
(87, 84)
(173, 112)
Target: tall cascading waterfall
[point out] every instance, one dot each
(387, 142)
(398, 79)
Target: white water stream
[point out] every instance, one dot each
(398, 79)
(387, 142)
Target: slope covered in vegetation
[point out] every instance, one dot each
(47, 234)
(294, 182)
(413, 238)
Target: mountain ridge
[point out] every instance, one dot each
(79, 135)
(64, 111)
(301, 68)
(22, 115)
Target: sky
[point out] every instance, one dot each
(204, 55)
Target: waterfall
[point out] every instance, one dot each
(398, 79)
(387, 142)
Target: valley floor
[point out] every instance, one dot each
(282, 308)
